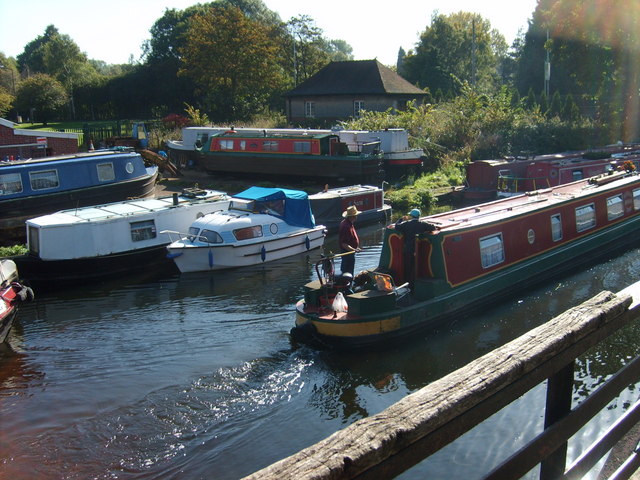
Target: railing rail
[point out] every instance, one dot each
(387, 444)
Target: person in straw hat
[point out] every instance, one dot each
(348, 238)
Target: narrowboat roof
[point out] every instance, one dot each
(529, 201)
(304, 134)
(126, 208)
(97, 155)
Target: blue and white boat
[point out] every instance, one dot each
(33, 187)
(110, 240)
(260, 225)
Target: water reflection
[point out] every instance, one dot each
(195, 376)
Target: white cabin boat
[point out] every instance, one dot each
(260, 225)
(113, 239)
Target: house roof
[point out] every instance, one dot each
(362, 77)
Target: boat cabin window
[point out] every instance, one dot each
(201, 139)
(44, 179)
(273, 207)
(210, 236)
(585, 217)
(491, 250)
(34, 240)
(636, 199)
(241, 204)
(615, 207)
(270, 146)
(577, 175)
(248, 232)
(556, 227)
(105, 172)
(226, 144)
(144, 230)
(10, 183)
(302, 147)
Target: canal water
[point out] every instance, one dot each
(195, 376)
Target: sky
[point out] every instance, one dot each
(113, 31)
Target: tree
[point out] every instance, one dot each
(593, 47)
(42, 94)
(233, 61)
(455, 49)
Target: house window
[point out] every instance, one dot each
(302, 147)
(491, 250)
(10, 183)
(615, 207)
(358, 106)
(556, 227)
(44, 179)
(270, 146)
(248, 232)
(310, 109)
(105, 172)
(585, 217)
(144, 230)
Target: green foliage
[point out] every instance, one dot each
(233, 59)
(196, 118)
(14, 250)
(442, 59)
(42, 94)
(6, 100)
(404, 199)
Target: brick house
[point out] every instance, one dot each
(21, 143)
(342, 89)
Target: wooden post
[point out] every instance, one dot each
(559, 392)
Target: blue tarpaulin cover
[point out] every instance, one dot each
(297, 210)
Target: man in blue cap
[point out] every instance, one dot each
(410, 226)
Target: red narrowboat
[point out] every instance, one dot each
(487, 179)
(473, 256)
(311, 155)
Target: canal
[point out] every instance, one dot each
(195, 376)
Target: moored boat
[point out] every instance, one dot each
(12, 294)
(327, 206)
(397, 156)
(260, 225)
(488, 179)
(114, 239)
(29, 188)
(475, 256)
(303, 154)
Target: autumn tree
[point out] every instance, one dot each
(42, 96)
(456, 49)
(233, 61)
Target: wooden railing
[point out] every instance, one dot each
(406, 433)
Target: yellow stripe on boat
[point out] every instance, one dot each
(356, 329)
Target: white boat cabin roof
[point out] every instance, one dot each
(119, 209)
(527, 202)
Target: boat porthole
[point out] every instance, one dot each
(129, 167)
(531, 236)
(273, 228)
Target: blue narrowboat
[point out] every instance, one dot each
(29, 188)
